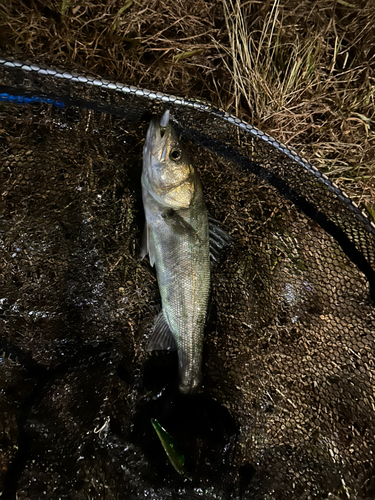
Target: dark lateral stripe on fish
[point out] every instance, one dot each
(22, 99)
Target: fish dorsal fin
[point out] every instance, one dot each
(148, 246)
(162, 338)
(219, 239)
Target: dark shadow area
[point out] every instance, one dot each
(203, 430)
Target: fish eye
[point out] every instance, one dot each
(175, 154)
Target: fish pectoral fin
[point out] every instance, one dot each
(162, 338)
(147, 246)
(219, 239)
(178, 223)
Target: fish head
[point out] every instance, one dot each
(167, 170)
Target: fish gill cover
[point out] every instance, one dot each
(288, 366)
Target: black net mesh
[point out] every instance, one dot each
(288, 408)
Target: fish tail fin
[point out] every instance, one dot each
(190, 374)
(191, 386)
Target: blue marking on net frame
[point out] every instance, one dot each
(20, 99)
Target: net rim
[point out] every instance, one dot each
(199, 105)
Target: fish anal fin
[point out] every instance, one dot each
(162, 338)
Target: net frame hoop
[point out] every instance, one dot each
(199, 105)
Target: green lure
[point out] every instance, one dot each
(176, 457)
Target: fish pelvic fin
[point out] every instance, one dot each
(147, 246)
(162, 338)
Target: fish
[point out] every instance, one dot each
(176, 238)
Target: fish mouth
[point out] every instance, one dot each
(164, 120)
(157, 134)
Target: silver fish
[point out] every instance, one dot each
(177, 240)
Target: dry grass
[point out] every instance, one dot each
(163, 45)
(302, 71)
